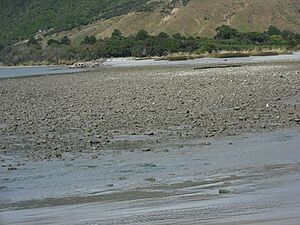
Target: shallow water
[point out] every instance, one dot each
(176, 182)
(204, 61)
(10, 72)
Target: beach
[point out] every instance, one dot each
(45, 117)
(163, 144)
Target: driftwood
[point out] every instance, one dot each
(217, 66)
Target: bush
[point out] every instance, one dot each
(272, 30)
(52, 42)
(225, 32)
(89, 40)
(116, 34)
(65, 41)
(32, 41)
(142, 35)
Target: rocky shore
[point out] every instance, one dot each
(52, 117)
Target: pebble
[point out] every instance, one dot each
(205, 143)
(224, 191)
(12, 168)
(152, 179)
(94, 157)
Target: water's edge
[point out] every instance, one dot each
(253, 177)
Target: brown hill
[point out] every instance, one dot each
(199, 18)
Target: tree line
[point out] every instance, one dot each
(142, 44)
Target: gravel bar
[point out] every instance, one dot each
(48, 117)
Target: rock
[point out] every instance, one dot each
(109, 185)
(12, 168)
(94, 157)
(224, 191)
(152, 179)
(122, 178)
(227, 183)
(205, 143)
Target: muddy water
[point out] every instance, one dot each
(173, 182)
(11, 72)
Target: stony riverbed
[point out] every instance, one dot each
(54, 117)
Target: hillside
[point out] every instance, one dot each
(100, 17)
(200, 18)
(21, 19)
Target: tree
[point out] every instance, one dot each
(116, 34)
(286, 34)
(65, 41)
(272, 30)
(142, 35)
(32, 41)
(89, 40)
(225, 32)
(256, 37)
(163, 35)
(52, 42)
(178, 36)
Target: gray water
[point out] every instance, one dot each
(11, 72)
(203, 61)
(178, 182)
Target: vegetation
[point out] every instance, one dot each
(89, 40)
(20, 20)
(145, 45)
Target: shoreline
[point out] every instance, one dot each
(199, 63)
(249, 167)
(32, 66)
(108, 61)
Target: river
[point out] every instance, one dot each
(176, 182)
(12, 72)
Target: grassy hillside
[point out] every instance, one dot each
(21, 19)
(200, 18)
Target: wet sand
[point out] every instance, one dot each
(249, 179)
